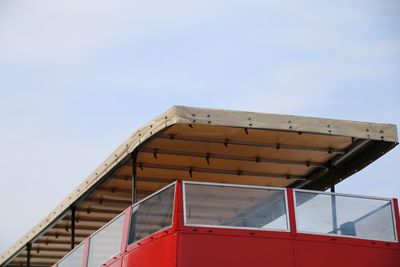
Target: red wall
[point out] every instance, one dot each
(221, 247)
(153, 253)
(309, 253)
(199, 250)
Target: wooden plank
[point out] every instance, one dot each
(190, 170)
(226, 165)
(209, 157)
(215, 178)
(249, 143)
(295, 138)
(232, 149)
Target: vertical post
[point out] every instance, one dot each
(291, 211)
(28, 255)
(73, 219)
(134, 180)
(332, 179)
(333, 201)
(178, 220)
(396, 218)
(125, 231)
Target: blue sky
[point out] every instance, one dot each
(78, 77)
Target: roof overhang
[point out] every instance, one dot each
(207, 145)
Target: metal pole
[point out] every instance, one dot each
(73, 209)
(333, 200)
(28, 256)
(332, 178)
(134, 180)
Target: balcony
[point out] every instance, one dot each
(266, 220)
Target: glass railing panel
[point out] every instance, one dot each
(106, 242)
(362, 217)
(233, 206)
(152, 214)
(74, 258)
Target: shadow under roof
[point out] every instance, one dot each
(208, 145)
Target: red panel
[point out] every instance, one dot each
(159, 252)
(310, 254)
(236, 232)
(218, 248)
(211, 250)
(348, 241)
(199, 247)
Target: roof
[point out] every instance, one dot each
(207, 145)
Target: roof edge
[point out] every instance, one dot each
(257, 120)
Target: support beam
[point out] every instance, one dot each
(73, 219)
(79, 227)
(102, 203)
(19, 263)
(209, 156)
(46, 256)
(146, 179)
(333, 200)
(61, 242)
(332, 178)
(94, 219)
(360, 158)
(191, 170)
(28, 255)
(227, 142)
(58, 234)
(123, 190)
(90, 210)
(106, 200)
(134, 178)
(42, 248)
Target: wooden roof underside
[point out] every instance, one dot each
(211, 146)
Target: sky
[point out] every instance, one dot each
(78, 77)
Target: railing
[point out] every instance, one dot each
(239, 207)
(266, 208)
(152, 214)
(74, 258)
(106, 242)
(148, 216)
(232, 206)
(346, 215)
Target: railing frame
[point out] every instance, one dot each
(178, 222)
